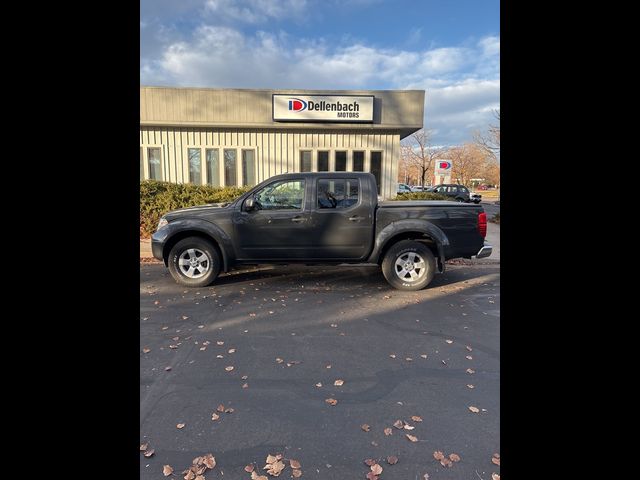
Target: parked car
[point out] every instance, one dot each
(457, 192)
(320, 218)
(420, 188)
(404, 188)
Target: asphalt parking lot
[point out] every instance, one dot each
(290, 332)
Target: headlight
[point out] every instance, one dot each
(163, 222)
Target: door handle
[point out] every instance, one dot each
(298, 219)
(356, 218)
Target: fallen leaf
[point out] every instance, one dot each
(229, 410)
(338, 383)
(319, 384)
(445, 462)
(173, 347)
(215, 417)
(365, 427)
(408, 427)
(470, 371)
(334, 325)
(411, 437)
(331, 401)
(200, 477)
(388, 431)
(190, 475)
(271, 459)
(470, 386)
(219, 356)
(279, 360)
(202, 349)
(454, 457)
(438, 455)
(249, 468)
(474, 409)
(232, 350)
(392, 356)
(274, 469)
(423, 356)
(392, 460)
(180, 425)
(165, 328)
(416, 418)
(149, 452)
(449, 341)
(175, 339)
(209, 460)
(229, 368)
(297, 473)
(372, 476)
(184, 317)
(246, 385)
(219, 342)
(409, 359)
(220, 408)
(376, 469)
(495, 476)
(426, 476)
(166, 369)
(167, 470)
(144, 446)
(294, 463)
(370, 461)
(495, 461)
(469, 348)
(244, 377)
(398, 424)
(146, 350)
(496, 455)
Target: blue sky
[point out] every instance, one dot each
(450, 48)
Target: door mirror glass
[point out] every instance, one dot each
(249, 204)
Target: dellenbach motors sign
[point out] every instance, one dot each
(323, 108)
(443, 167)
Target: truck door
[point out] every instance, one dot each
(278, 227)
(342, 219)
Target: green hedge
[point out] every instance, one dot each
(158, 198)
(421, 196)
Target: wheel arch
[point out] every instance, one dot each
(182, 234)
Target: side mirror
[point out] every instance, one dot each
(249, 204)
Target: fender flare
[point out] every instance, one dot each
(414, 225)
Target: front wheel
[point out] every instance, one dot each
(409, 265)
(194, 262)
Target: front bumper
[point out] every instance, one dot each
(485, 251)
(158, 240)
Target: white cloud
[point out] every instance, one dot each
(255, 11)
(462, 83)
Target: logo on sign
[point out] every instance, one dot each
(444, 165)
(297, 105)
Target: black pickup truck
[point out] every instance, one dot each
(320, 218)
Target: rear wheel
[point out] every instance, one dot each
(409, 265)
(194, 262)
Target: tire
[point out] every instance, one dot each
(396, 258)
(460, 199)
(198, 272)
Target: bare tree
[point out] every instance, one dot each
(469, 161)
(417, 152)
(490, 141)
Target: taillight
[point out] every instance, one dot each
(482, 224)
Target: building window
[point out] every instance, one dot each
(141, 165)
(248, 167)
(230, 168)
(305, 161)
(341, 161)
(339, 193)
(213, 167)
(323, 161)
(358, 161)
(376, 167)
(283, 195)
(155, 163)
(195, 166)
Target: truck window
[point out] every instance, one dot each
(285, 195)
(338, 193)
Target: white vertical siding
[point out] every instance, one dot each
(275, 151)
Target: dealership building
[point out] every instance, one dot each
(236, 137)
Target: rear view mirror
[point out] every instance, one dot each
(249, 204)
